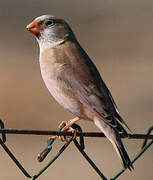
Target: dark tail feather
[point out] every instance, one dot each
(114, 137)
(117, 126)
(117, 115)
(123, 154)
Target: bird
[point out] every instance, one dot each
(75, 82)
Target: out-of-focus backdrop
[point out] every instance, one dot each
(118, 36)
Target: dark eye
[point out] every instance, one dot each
(49, 23)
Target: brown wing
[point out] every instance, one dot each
(110, 105)
(90, 89)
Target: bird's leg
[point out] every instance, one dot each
(68, 127)
(68, 124)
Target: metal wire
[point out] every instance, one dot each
(85, 134)
(53, 159)
(144, 147)
(79, 145)
(14, 159)
(89, 160)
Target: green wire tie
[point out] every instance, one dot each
(48, 148)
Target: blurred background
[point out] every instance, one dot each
(118, 36)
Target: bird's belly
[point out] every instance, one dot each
(62, 96)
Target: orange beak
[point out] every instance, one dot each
(34, 27)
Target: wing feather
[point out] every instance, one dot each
(90, 88)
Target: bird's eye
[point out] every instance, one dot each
(49, 23)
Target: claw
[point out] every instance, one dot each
(67, 126)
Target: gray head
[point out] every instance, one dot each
(50, 29)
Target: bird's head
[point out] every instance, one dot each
(49, 29)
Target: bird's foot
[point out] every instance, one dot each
(68, 124)
(67, 127)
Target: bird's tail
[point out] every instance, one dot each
(115, 139)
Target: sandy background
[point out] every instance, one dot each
(118, 36)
